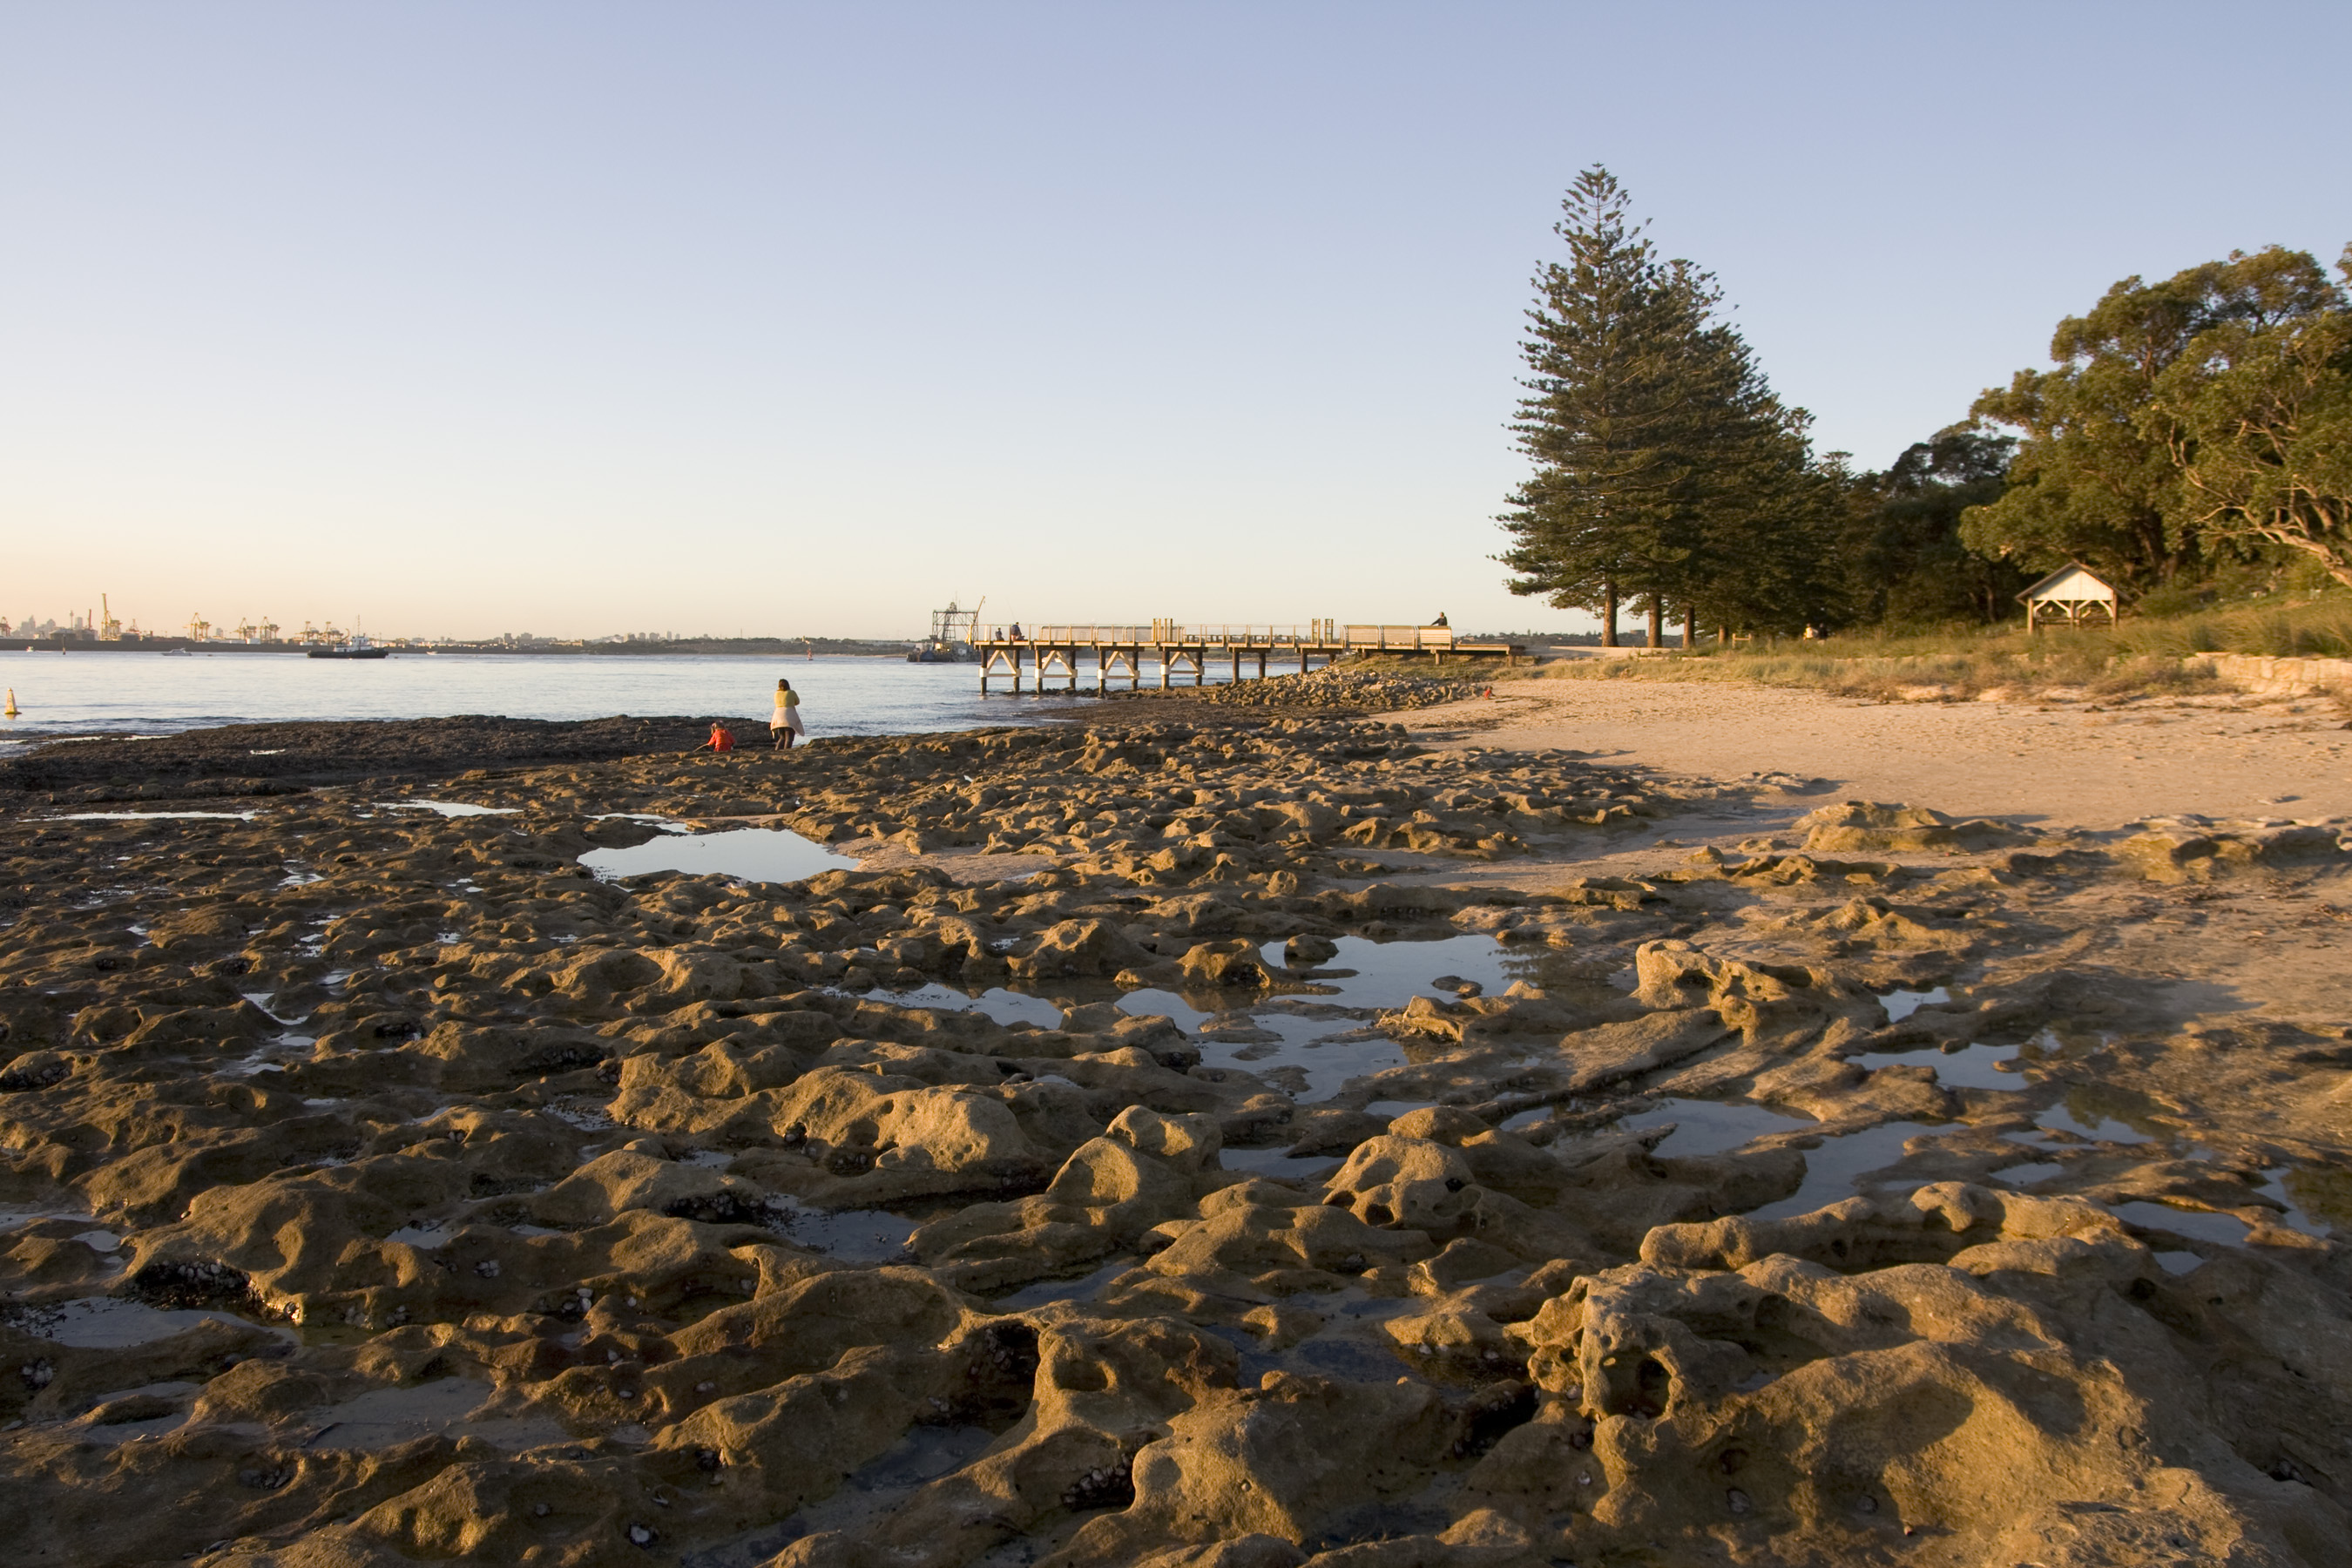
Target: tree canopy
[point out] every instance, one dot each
(2256, 414)
(2187, 432)
(2184, 425)
(1904, 560)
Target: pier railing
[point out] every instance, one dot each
(1229, 634)
(1096, 634)
(1413, 639)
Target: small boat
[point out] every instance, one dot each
(358, 648)
(177, 653)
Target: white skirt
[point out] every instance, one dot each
(787, 719)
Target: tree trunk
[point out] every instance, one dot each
(1609, 611)
(1657, 621)
(1690, 630)
(1723, 635)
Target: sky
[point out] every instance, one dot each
(584, 317)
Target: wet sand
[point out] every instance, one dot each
(1203, 1137)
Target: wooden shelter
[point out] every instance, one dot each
(2072, 592)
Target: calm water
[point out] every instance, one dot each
(149, 693)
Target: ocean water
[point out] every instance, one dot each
(152, 693)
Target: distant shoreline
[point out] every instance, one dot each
(747, 647)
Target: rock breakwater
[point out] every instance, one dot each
(441, 1200)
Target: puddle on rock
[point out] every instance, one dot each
(1388, 975)
(1047, 1293)
(10, 1218)
(2197, 1225)
(1308, 1058)
(1308, 1038)
(1350, 1345)
(865, 1496)
(428, 1235)
(755, 854)
(2089, 1125)
(1971, 1067)
(2178, 1262)
(1322, 1045)
(153, 817)
(1311, 1168)
(387, 1417)
(2279, 1186)
(853, 1235)
(448, 807)
(1901, 1005)
(1713, 1127)
(109, 1322)
(997, 1003)
(1839, 1167)
(139, 1415)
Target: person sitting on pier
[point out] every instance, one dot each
(1016, 631)
(1440, 620)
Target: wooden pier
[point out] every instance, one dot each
(1056, 654)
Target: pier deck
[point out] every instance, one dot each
(1055, 653)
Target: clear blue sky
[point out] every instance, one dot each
(578, 318)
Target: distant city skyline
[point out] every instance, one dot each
(805, 320)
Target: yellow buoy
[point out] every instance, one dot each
(10, 712)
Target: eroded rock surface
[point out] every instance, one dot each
(1130, 1173)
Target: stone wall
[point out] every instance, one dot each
(2267, 677)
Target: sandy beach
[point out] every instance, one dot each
(2071, 764)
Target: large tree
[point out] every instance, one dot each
(1762, 517)
(1663, 469)
(2095, 478)
(1596, 522)
(2256, 413)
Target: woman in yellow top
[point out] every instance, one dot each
(785, 721)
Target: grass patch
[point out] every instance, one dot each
(2140, 658)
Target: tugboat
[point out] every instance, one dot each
(358, 648)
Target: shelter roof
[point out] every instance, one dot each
(2071, 583)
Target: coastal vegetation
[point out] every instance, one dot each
(2144, 656)
(2191, 443)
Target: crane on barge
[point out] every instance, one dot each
(953, 631)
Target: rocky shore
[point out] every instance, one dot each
(1352, 689)
(1243, 1144)
(232, 759)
